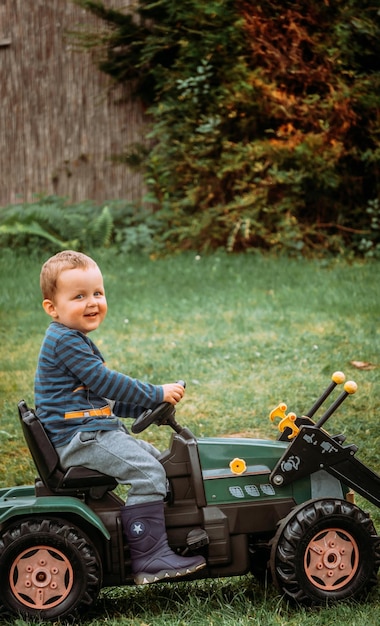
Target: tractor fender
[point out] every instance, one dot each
(52, 505)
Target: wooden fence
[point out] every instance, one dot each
(60, 123)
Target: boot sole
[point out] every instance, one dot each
(146, 579)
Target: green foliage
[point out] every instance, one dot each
(265, 127)
(56, 223)
(370, 245)
(134, 228)
(51, 223)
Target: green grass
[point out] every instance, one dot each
(245, 332)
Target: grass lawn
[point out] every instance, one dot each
(245, 332)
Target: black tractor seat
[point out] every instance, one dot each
(78, 481)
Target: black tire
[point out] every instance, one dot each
(325, 551)
(49, 569)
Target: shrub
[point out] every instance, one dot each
(264, 117)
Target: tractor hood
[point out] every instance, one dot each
(258, 455)
(238, 470)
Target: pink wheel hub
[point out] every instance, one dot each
(331, 559)
(41, 577)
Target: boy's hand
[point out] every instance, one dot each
(173, 392)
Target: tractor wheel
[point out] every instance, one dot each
(325, 551)
(49, 569)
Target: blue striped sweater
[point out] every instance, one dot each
(71, 376)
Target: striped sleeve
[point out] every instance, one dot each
(79, 355)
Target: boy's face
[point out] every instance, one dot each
(79, 302)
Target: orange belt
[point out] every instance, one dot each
(89, 413)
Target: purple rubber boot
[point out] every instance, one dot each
(152, 558)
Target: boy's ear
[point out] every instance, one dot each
(49, 308)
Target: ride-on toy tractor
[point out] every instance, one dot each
(283, 507)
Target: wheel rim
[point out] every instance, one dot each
(331, 559)
(41, 577)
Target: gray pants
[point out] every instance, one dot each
(116, 453)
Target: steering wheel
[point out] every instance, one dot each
(158, 416)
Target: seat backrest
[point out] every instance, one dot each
(75, 480)
(42, 450)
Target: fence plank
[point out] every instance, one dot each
(60, 123)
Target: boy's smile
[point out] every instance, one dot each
(79, 302)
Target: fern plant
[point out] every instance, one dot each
(53, 224)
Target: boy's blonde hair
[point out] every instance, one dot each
(65, 260)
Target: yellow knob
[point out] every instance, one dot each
(350, 386)
(338, 377)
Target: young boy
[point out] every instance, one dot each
(79, 401)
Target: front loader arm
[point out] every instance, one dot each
(314, 449)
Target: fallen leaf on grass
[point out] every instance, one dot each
(363, 365)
